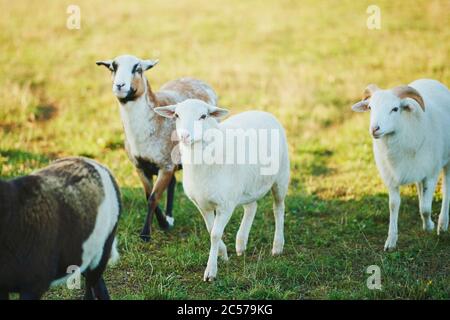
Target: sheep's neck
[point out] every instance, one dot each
(139, 119)
(147, 99)
(190, 152)
(410, 139)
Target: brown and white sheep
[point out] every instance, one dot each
(148, 136)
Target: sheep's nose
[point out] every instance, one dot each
(375, 129)
(185, 136)
(120, 85)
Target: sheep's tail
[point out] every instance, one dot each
(114, 256)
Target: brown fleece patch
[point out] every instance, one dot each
(189, 88)
(148, 185)
(76, 182)
(138, 84)
(151, 96)
(161, 184)
(164, 99)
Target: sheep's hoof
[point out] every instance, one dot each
(428, 226)
(210, 273)
(166, 223)
(441, 229)
(224, 257)
(276, 252)
(442, 226)
(240, 247)
(145, 237)
(390, 244)
(277, 248)
(209, 279)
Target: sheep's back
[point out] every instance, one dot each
(56, 212)
(178, 90)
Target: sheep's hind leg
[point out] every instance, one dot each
(146, 175)
(208, 216)
(96, 288)
(443, 216)
(162, 182)
(279, 193)
(244, 229)
(169, 202)
(95, 285)
(428, 188)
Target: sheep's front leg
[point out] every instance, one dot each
(162, 182)
(394, 206)
(208, 216)
(220, 221)
(443, 216)
(425, 202)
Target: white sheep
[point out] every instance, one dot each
(148, 136)
(218, 183)
(410, 126)
(55, 221)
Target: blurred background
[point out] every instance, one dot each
(305, 61)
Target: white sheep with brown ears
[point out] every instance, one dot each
(410, 126)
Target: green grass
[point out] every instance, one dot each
(305, 62)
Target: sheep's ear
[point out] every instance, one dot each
(167, 112)
(408, 106)
(361, 106)
(217, 112)
(148, 64)
(106, 63)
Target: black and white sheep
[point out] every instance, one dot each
(62, 216)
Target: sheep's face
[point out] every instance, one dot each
(193, 118)
(385, 111)
(387, 108)
(127, 76)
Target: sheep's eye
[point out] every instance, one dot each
(203, 117)
(395, 109)
(368, 107)
(176, 115)
(136, 68)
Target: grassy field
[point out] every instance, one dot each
(305, 61)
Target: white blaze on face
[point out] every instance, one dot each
(124, 68)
